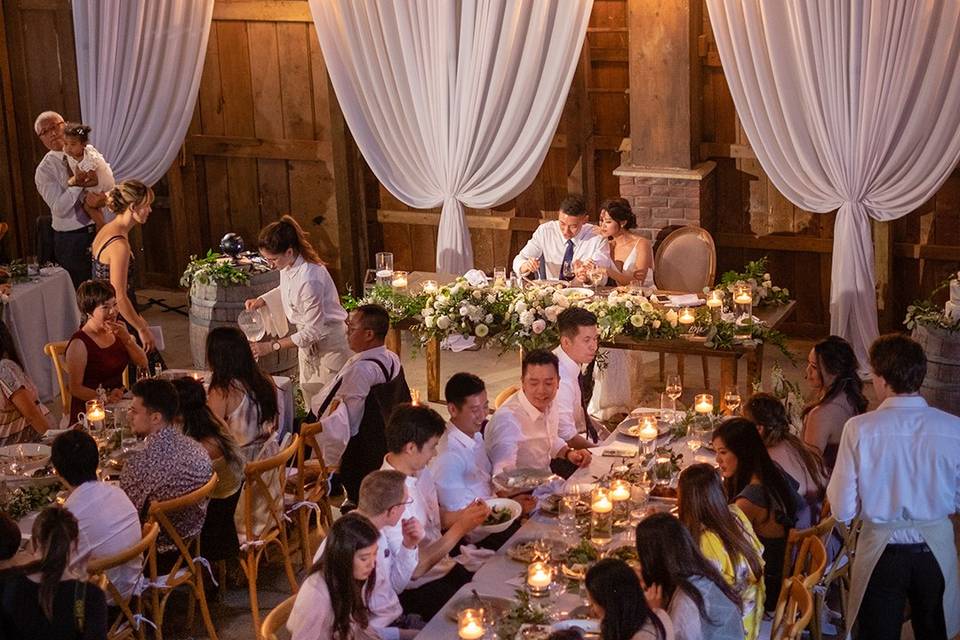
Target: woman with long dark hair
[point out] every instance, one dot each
(725, 537)
(45, 598)
(309, 300)
(676, 577)
(832, 372)
(240, 393)
(22, 417)
(763, 491)
(630, 253)
(615, 593)
(333, 602)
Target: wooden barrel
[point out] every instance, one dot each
(941, 387)
(214, 305)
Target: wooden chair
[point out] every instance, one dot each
(505, 395)
(794, 611)
(311, 484)
(56, 351)
(259, 476)
(276, 619)
(127, 623)
(685, 260)
(185, 572)
(811, 560)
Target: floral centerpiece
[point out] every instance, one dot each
(531, 318)
(401, 305)
(926, 313)
(464, 309)
(219, 269)
(756, 275)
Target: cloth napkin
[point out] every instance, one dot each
(686, 300)
(473, 557)
(475, 277)
(457, 342)
(274, 320)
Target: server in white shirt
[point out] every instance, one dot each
(578, 348)
(412, 436)
(106, 518)
(73, 230)
(898, 470)
(355, 406)
(561, 249)
(523, 432)
(310, 301)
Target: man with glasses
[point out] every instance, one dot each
(73, 230)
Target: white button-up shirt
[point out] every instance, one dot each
(424, 507)
(461, 470)
(570, 418)
(549, 245)
(310, 300)
(64, 202)
(521, 436)
(899, 462)
(108, 524)
(358, 376)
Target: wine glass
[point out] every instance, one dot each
(668, 408)
(694, 441)
(674, 387)
(251, 324)
(732, 399)
(597, 275)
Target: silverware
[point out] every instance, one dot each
(483, 603)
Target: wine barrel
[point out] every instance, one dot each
(941, 387)
(215, 305)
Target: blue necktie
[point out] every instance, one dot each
(566, 267)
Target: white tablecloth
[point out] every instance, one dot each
(38, 312)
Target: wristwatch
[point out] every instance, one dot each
(276, 345)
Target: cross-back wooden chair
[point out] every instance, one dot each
(186, 570)
(263, 490)
(505, 395)
(56, 351)
(311, 485)
(276, 619)
(794, 611)
(127, 624)
(810, 561)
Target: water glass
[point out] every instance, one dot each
(668, 408)
(251, 323)
(384, 262)
(567, 511)
(499, 276)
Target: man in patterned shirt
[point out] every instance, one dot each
(170, 464)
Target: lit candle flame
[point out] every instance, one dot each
(415, 397)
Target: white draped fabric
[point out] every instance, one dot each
(848, 105)
(139, 64)
(452, 103)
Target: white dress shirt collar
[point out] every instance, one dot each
(296, 267)
(534, 413)
(908, 401)
(568, 367)
(454, 433)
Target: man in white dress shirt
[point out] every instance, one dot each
(412, 436)
(562, 248)
(523, 432)
(73, 230)
(578, 347)
(898, 469)
(106, 518)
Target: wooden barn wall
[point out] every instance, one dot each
(581, 159)
(754, 220)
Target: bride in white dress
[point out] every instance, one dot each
(618, 385)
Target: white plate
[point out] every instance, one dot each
(631, 428)
(577, 292)
(499, 503)
(48, 271)
(37, 454)
(517, 481)
(587, 626)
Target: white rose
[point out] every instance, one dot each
(427, 311)
(551, 313)
(671, 317)
(636, 320)
(428, 322)
(628, 304)
(488, 318)
(766, 276)
(520, 307)
(655, 324)
(776, 289)
(481, 330)
(442, 299)
(646, 307)
(455, 289)
(491, 298)
(464, 310)
(443, 323)
(564, 302)
(538, 326)
(526, 318)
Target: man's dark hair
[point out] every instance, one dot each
(900, 361)
(539, 356)
(571, 319)
(414, 423)
(375, 318)
(461, 386)
(159, 396)
(574, 205)
(75, 457)
(10, 537)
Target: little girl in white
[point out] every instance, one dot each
(83, 157)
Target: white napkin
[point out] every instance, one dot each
(274, 320)
(475, 277)
(686, 300)
(472, 557)
(457, 342)
(549, 489)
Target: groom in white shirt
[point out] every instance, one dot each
(562, 248)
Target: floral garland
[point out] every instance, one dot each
(399, 304)
(463, 309)
(756, 275)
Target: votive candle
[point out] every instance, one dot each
(619, 490)
(399, 280)
(703, 403)
(429, 287)
(470, 624)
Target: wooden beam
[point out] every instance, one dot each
(263, 10)
(939, 252)
(883, 269)
(494, 221)
(240, 147)
(18, 216)
(723, 150)
(807, 244)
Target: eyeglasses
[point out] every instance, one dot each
(403, 504)
(48, 130)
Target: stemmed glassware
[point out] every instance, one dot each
(674, 390)
(731, 399)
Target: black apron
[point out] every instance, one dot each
(366, 449)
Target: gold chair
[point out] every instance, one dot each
(56, 351)
(794, 611)
(127, 623)
(258, 494)
(505, 395)
(811, 559)
(276, 619)
(310, 486)
(185, 571)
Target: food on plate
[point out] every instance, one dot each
(536, 550)
(578, 559)
(627, 553)
(498, 515)
(663, 491)
(524, 613)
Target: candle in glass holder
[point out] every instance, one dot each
(539, 577)
(470, 624)
(703, 403)
(648, 432)
(95, 414)
(686, 318)
(619, 490)
(500, 276)
(601, 517)
(715, 304)
(429, 287)
(399, 281)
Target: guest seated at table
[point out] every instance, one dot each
(618, 600)
(631, 254)
(10, 540)
(218, 538)
(832, 372)
(383, 498)
(334, 601)
(107, 519)
(676, 577)
(240, 393)
(725, 537)
(355, 406)
(578, 348)
(762, 490)
(22, 417)
(169, 465)
(523, 432)
(412, 436)
(47, 598)
(560, 249)
(101, 350)
(794, 456)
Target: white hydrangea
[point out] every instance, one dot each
(488, 318)
(526, 318)
(672, 317)
(491, 298)
(520, 307)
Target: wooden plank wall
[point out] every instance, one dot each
(581, 160)
(755, 220)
